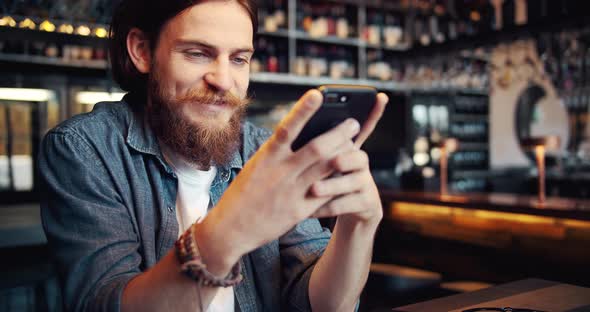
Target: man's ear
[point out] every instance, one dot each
(138, 47)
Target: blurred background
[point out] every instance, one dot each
(489, 74)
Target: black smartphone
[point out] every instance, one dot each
(340, 103)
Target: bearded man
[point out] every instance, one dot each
(169, 201)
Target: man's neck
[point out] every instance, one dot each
(172, 156)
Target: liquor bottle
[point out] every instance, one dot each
(452, 20)
(270, 23)
(319, 22)
(342, 24)
(331, 18)
(262, 14)
(520, 9)
(421, 31)
(300, 65)
(435, 33)
(272, 63)
(498, 14)
(317, 64)
(372, 33)
(280, 13)
(392, 31)
(350, 65)
(262, 51)
(338, 64)
(308, 18)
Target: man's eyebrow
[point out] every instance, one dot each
(208, 46)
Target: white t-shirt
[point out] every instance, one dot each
(192, 202)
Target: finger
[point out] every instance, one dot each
(326, 146)
(354, 160)
(339, 206)
(323, 169)
(340, 185)
(374, 117)
(289, 127)
(312, 204)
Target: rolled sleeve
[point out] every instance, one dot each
(300, 249)
(89, 229)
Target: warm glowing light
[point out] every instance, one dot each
(101, 32)
(83, 30)
(405, 208)
(435, 153)
(475, 16)
(451, 145)
(47, 26)
(428, 172)
(540, 155)
(576, 224)
(469, 223)
(26, 95)
(66, 29)
(91, 98)
(421, 145)
(552, 142)
(421, 159)
(7, 21)
(27, 23)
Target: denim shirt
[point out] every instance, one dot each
(108, 211)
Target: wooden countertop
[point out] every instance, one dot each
(552, 207)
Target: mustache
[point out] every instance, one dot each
(212, 97)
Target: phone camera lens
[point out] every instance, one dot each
(343, 99)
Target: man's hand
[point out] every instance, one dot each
(271, 193)
(355, 194)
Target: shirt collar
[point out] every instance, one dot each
(141, 137)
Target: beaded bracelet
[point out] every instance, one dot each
(192, 264)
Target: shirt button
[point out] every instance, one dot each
(170, 208)
(225, 175)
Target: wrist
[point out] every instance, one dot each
(352, 223)
(216, 247)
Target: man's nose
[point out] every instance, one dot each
(219, 75)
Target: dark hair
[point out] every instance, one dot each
(149, 16)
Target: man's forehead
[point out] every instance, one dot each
(223, 24)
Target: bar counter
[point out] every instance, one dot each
(563, 208)
(433, 231)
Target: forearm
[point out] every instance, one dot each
(165, 288)
(341, 273)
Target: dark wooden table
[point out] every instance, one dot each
(529, 293)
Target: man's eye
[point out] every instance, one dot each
(241, 60)
(196, 54)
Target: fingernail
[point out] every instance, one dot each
(353, 125)
(312, 101)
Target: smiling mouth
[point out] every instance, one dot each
(217, 106)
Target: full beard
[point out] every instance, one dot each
(203, 144)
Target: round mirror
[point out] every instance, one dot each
(539, 115)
